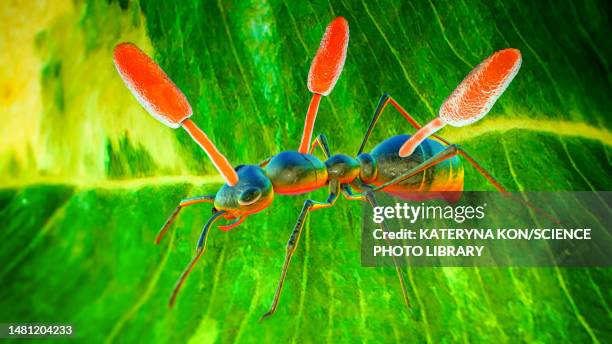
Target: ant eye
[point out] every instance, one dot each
(249, 196)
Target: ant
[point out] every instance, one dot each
(409, 167)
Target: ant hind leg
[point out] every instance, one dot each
(480, 169)
(386, 99)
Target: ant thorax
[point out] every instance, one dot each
(293, 173)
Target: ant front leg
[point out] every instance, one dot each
(385, 99)
(198, 253)
(309, 205)
(182, 204)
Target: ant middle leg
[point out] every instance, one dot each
(348, 193)
(309, 205)
(182, 204)
(368, 195)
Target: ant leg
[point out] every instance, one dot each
(480, 169)
(199, 252)
(385, 99)
(309, 205)
(369, 195)
(182, 204)
(321, 141)
(382, 103)
(348, 194)
(265, 162)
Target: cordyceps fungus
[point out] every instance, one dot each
(474, 96)
(164, 101)
(324, 72)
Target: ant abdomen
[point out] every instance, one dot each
(444, 176)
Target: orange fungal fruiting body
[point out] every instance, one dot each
(151, 86)
(164, 101)
(329, 60)
(477, 93)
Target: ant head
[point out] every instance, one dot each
(253, 193)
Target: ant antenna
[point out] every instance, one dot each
(165, 101)
(324, 72)
(474, 96)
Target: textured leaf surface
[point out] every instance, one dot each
(88, 178)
